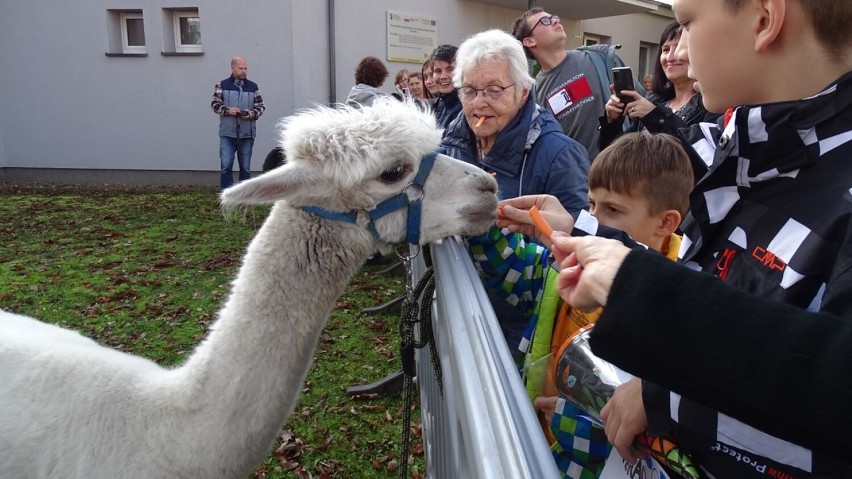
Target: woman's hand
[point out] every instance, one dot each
(638, 107)
(514, 214)
(614, 108)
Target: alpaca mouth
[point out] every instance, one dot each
(483, 213)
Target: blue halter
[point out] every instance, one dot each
(396, 202)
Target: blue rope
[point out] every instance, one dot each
(349, 217)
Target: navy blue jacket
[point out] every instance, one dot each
(447, 108)
(531, 155)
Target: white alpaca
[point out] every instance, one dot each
(70, 408)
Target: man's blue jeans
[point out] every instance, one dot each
(228, 147)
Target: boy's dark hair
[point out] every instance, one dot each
(654, 167)
(520, 30)
(445, 53)
(371, 71)
(275, 158)
(830, 19)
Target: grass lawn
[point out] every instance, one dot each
(144, 269)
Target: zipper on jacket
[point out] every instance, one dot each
(725, 262)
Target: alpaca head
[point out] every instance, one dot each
(349, 160)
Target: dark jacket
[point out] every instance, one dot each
(703, 343)
(447, 108)
(531, 155)
(772, 216)
(660, 120)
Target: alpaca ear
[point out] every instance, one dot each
(270, 187)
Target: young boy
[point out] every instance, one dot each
(771, 216)
(640, 184)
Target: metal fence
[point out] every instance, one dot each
(483, 425)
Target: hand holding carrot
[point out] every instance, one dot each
(514, 214)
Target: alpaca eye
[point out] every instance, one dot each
(392, 175)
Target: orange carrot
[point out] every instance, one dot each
(540, 223)
(479, 123)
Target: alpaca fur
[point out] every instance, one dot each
(71, 408)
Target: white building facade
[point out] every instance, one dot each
(118, 91)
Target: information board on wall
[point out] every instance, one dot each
(411, 38)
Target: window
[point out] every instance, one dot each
(187, 28)
(646, 59)
(184, 36)
(132, 33)
(125, 33)
(591, 40)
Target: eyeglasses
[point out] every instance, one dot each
(546, 21)
(492, 92)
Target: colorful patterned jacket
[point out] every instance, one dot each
(520, 271)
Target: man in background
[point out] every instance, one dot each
(238, 103)
(567, 84)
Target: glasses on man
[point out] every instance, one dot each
(546, 21)
(492, 92)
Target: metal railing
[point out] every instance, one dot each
(483, 426)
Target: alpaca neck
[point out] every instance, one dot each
(248, 373)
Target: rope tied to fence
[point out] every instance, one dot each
(416, 310)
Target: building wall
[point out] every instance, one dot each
(629, 31)
(68, 105)
(361, 30)
(72, 113)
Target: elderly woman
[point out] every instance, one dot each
(502, 130)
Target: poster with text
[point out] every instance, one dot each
(411, 38)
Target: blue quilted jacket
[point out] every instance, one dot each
(531, 155)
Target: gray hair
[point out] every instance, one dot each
(494, 44)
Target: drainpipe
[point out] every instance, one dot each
(332, 77)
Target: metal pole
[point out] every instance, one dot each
(332, 66)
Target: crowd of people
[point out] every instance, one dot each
(718, 350)
(709, 212)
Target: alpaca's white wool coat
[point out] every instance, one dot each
(70, 408)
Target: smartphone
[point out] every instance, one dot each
(622, 77)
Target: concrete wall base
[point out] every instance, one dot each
(124, 177)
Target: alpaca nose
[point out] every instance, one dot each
(488, 185)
